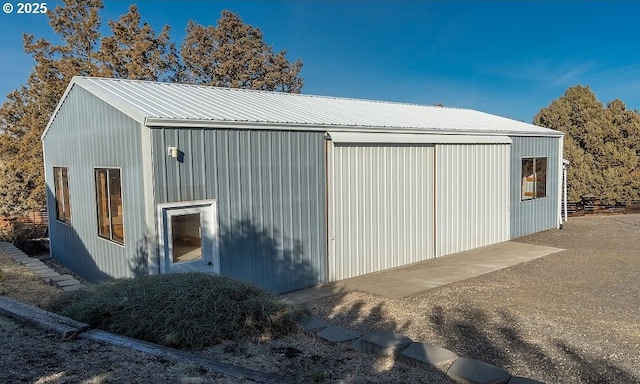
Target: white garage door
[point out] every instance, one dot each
(380, 206)
(414, 198)
(472, 196)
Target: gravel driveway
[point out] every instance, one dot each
(570, 317)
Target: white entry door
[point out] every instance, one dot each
(189, 236)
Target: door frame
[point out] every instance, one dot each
(209, 226)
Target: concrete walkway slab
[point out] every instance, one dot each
(381, 342)
(471, 371)
(418, 277)
(335, 334)
(428, 354)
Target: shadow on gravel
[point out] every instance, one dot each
(497, 340)
(375, 318)
(363, 316)
(568, 318)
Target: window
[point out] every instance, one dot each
(534, 178)
(109, 201)
(186, 237)
(61, 186)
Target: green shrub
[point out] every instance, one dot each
(184, 310)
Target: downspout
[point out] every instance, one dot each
(329, 210)
(560, 181)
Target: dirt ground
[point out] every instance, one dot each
(570, 317)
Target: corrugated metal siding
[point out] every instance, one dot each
(380, 207)
(89, 133)
(270, 187)
(472, 198)
(539, 214)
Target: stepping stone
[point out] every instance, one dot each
(471, 371)
(381, 342)
(40, 268)
(10, 248)
(336, 334)
(66, 283)
(428, 354)
(313, 325)
(32, 264)
(523, 380)
(62, 278)
(72, 288)
(48, 275)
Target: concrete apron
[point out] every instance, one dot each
(418, 277)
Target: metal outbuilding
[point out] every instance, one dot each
(283, 190)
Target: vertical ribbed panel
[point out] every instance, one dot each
(271, 192)
(85, 134)
(380, 207)
(535, 215)
(472, 198)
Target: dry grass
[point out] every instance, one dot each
(184, 310)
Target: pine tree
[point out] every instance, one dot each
(234, 54)
(135, 52)
(602, 143)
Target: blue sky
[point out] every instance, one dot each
(510, 58)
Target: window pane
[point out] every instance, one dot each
(528, 179)
(186, 238)
(65, 195)
(103, 203)
(58, 191)
(115, 197)
(541, 177)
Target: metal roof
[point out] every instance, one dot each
(172, 104)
